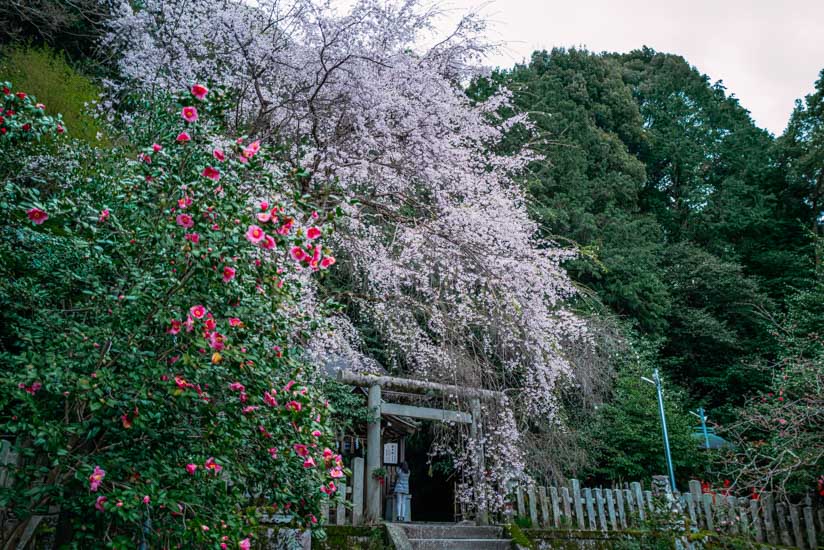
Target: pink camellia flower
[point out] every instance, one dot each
(184, 202)
(223, 546)
(264, 217)
(210, 324)
(191, 468)
(312, 518)
(200, 91)
(250, 408)
(146, 499)
(237, 386)
(297, 254)
(301, 449)
(183, 137)
(198, 311)
(185, 221)
(104, 215)
(189, 114)
(216, 341)
(156, 147)
(235, 322)
(211, 173)
(119, 504)
(228, 273)
(245, 544)
(328, 261)
(40, 106)
(269, 399)
(98, 504)
(273, 452)
(288, 386)
(36, 215)
(294, 406)
(336, 472)
(255, 234)
(309, 462)
(193, 237)
(204, 528)
(175, 327)
(317, 433)
(35, 388)
(210, 464)
(96, 478)
(264, 206)
(219, 155)
(312, 233)
(268, 242)
(327, 453)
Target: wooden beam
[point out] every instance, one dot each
(418, 386)
(426, 413)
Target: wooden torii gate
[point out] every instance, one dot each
(377, 408)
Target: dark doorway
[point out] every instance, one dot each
(432, 486)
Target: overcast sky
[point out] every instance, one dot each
(767, 52)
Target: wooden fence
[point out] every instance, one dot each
(616, 509)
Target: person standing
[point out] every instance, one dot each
(401, 492)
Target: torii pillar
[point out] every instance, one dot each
(373, 455)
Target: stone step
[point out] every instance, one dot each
(460, 544)
(451, 531)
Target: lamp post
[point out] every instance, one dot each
(703, 418)
(656, 381)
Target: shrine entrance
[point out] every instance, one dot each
(432, 487)
(375, 451)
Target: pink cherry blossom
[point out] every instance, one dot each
(255, 234)
(185, 221)
(189, 114)
(200, 91)
(37, 216)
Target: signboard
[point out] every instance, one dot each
(390, 453)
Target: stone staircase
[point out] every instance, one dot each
(452, 536)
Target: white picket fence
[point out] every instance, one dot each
(616, 509)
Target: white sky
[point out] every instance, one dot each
(767, 52)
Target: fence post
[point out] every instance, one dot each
(639, 499)
(756, 521)
(340, 516)
(707, 500)
(611, 509)
(533, 508)
(519, 497)
(544, 507)
(808, 520)
(630, 506)
(622, 517)
(732, 514)
(590, 508)
(579, 507)
(783, 529)
(602, 516)
(567, 506)
(796, 523)
(556, 510)
(695, 495)
(768, 513)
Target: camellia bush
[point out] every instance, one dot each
(151, 333)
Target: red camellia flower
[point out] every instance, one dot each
(328, 261)
(189, 114)
(228, 274)
(200, 91)
(6, 91)
(312, 233)
(198, 311)
(297, 253)
(183, 137)
(37, 216)
(21, 95)
(218, 154)
(185, 220)
(211, 173)
(26, 127)
(60, 129)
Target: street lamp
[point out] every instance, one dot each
(656, 381)
(703, 417)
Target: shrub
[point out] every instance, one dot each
(48, 75)
(150, 344)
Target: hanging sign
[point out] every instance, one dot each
(390, 453)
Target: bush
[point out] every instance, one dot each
(48, 75)
(150, 337)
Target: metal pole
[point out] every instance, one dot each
(704, 427)
(657, 380)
